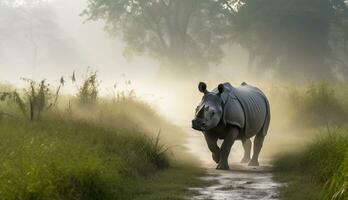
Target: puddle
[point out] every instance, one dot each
(240, 183)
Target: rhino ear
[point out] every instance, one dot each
(202, 87)
(221, 88)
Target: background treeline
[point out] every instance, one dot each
(293, 40)
(296, 39)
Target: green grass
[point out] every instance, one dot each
(165, 184)
(84, 147)
(71, 159)
(299, 188)
(319, 104)
(318, 172)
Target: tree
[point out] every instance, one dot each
(179, 33)
(339, 37)
(294, 38)
(30, 30)
(297, 38)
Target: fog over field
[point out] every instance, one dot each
(113, 86)
(49, 39)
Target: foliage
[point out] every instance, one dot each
(35, 100)
(127, 94)
(58, 159)
(88, 93)
(319, 104)
(301, 38)
(183, 32)
(103, 152)
(66, 157)
(323, 164)
(294, 37)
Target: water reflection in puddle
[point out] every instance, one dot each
(238, 185)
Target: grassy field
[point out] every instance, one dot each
(107, 149)
(58, 158)
(318, 172)
(316, 166)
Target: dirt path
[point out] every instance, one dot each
(239, 183)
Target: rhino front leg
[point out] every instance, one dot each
(231, 136)
(247, 150)
(258, 142)
(213, 147)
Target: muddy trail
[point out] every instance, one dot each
(241, 182)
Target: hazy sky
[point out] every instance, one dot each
(65, 43)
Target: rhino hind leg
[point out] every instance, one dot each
(258, 142)
(247, 150)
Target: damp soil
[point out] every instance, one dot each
(239, 183)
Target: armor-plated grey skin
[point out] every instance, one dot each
(232, 114)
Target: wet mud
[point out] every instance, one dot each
(239, 183)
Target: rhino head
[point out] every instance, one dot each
(209, 111)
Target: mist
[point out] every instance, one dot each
(48, 40)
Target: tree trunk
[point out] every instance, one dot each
(178, 20)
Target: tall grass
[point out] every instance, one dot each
(88, 92)
(64, 159)
(320, 104)
(87, 147)
(322, 163)
(312, 105)
(33, 102)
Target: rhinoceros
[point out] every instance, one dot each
(232, 113)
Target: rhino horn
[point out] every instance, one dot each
(200, 112)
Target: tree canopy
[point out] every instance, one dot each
(292, 37)
(179, 32)
(297, 37)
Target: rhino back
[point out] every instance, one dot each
(255, 108)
